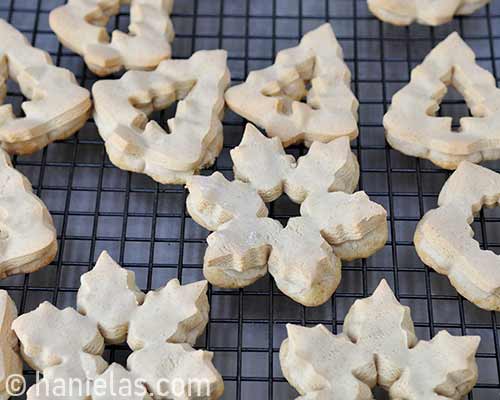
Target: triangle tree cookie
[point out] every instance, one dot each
(445, 241)
(378, 346)
(304, 257)
(160, 327)
(195, 138)
(81, 26)
(412, 127)
(28, 239)
(271, 97)
(428, 12)
(57, 105)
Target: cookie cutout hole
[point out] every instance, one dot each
(117, 354)
(162, 116)
(297, 91)
(15, 98)
(115, 16)
(452, 103)
(380, 393)
(454, 106)
(491, 229)
(165, 112)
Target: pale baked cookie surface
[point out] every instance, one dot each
(262, 162)
(10, 362)
(271, 97)
(445, 241)
(304, 257)
(378, 346)
(81, 26)
(195, 134)
(160, 327)
(412, 127)
(428, 12)
(57, 106)
(28, 239)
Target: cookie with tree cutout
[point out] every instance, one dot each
(57, 106)
(80, 25)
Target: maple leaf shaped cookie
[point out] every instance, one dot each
(213, 200)
(262, 162)
(160, 327)
(304, 257)
(378, 346)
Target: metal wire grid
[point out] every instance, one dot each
(145, 226)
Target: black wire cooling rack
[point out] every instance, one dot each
(145, 226)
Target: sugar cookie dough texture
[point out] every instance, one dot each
(412, 127)
(57, 105)
(445, 241)
(195, 133)
(159, 327)
(378, 346)
(81, 26)
(428, 12)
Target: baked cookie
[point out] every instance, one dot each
(303, 264)
(28, 239)
(262, 161)
(160, 327)
(445, 241)
(57, 105)
(300, 256)
(238, 251)
(195, 133)
(11, 364)
(80, 25)
(271, 97)
(412, 127)
(213, 200)
(378, 346)
(428, 12)
(354, 225)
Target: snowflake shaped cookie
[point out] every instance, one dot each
(10, 362)
(57, 105)
(412, 127)
(81, 26)
(428, 12)
(160, 328)
(304, 257)
(195, 138)
(28, 239)
(378, 346)
(271, 97)
(445, 241)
